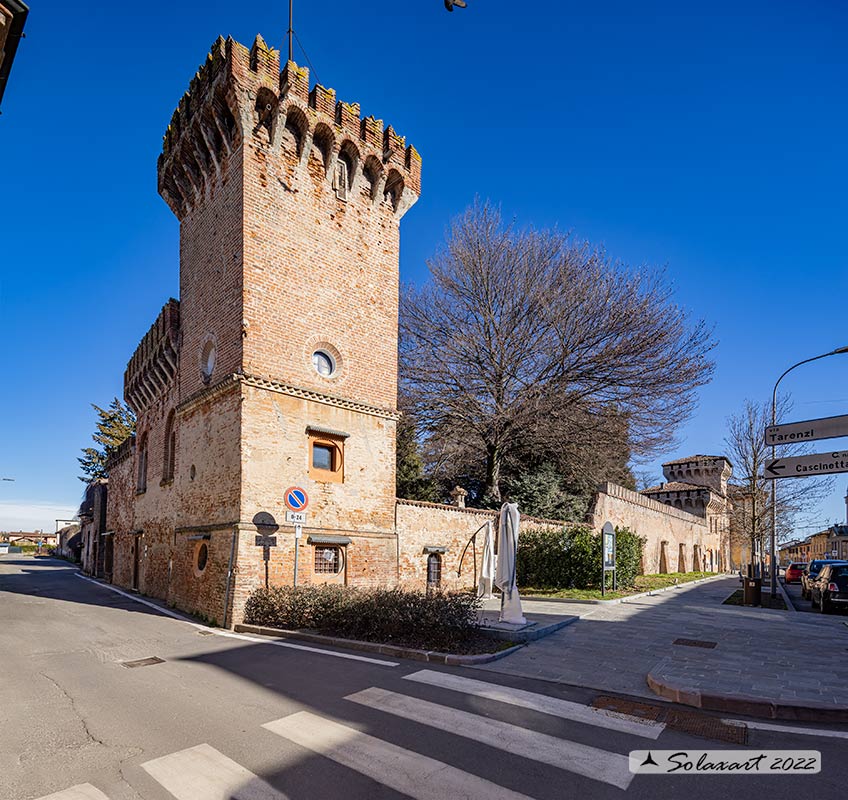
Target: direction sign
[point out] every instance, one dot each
(809, 431)
(806, 466)
(296, 498)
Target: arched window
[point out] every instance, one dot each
(141, 483)
(434, 571)
(169, 458)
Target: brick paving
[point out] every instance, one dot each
(763, 657)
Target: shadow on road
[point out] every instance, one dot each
(55, 579)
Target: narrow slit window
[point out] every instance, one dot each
(341, 179)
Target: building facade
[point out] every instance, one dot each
(277, 367)
(273, 378)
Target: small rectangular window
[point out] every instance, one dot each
(326, 457)
(322, 456)
(328, 560)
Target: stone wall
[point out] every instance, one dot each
(675, 539)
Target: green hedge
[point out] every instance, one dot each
(570, 558)
(441, 619)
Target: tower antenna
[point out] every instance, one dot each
(291, 30)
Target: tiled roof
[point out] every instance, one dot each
(675, 486)
(689, 459)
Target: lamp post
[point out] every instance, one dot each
(773, 542)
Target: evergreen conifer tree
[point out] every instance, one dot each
(114, 426)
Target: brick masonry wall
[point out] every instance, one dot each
(319, 272)
(657, 523)
(427, 525)
(276, 455)
(211, 280)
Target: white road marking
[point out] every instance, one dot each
(202, 773)
(84, 791)
(767, 726)
(554, 706)
(230, 635)
(592, 762)
(264, 640)
(405, 771)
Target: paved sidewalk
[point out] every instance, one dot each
(764, 663)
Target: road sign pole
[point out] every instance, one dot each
(772, 566)
(773, 486)
(298, 532)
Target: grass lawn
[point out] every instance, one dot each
(644, 583)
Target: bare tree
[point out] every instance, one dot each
(527, 335)
(796, 500)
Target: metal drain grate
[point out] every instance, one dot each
(205, 633)
(630, 707)
(695, 643)
(143, 662)
(691, 722)
(705, 726)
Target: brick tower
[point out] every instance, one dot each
(289, 206)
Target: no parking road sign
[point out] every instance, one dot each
(296, 498)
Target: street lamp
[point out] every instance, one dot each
(773, 542)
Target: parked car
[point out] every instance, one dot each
(830, 589)
(794, 572)
(811, 573)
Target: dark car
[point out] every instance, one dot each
(811, 574)
(830, 589)
(794, 571)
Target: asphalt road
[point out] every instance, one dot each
(222, 717)
(794, 592)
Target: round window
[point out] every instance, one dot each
(324, 363)
(202, 556)
(207, 360)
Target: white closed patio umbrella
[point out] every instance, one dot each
(487, 569)
(505, 578)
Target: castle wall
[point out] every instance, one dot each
(319, 272)
(211, 280)
(664, 528)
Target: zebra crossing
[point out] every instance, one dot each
(201, 772)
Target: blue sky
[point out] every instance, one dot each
(709, 139)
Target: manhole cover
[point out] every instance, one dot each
(691, 722)
(143, 662)
(695, 643)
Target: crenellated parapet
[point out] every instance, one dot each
(153, 367)
(239, 96)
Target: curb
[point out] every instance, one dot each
(430, 656)
(790, 606)
(747, 705)
(529, 635)
(651, 593)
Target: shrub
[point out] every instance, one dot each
(570, 558)
(437, 620)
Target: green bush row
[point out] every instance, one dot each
(441, 619)
(570, 558)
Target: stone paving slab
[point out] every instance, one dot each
(761, 663)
